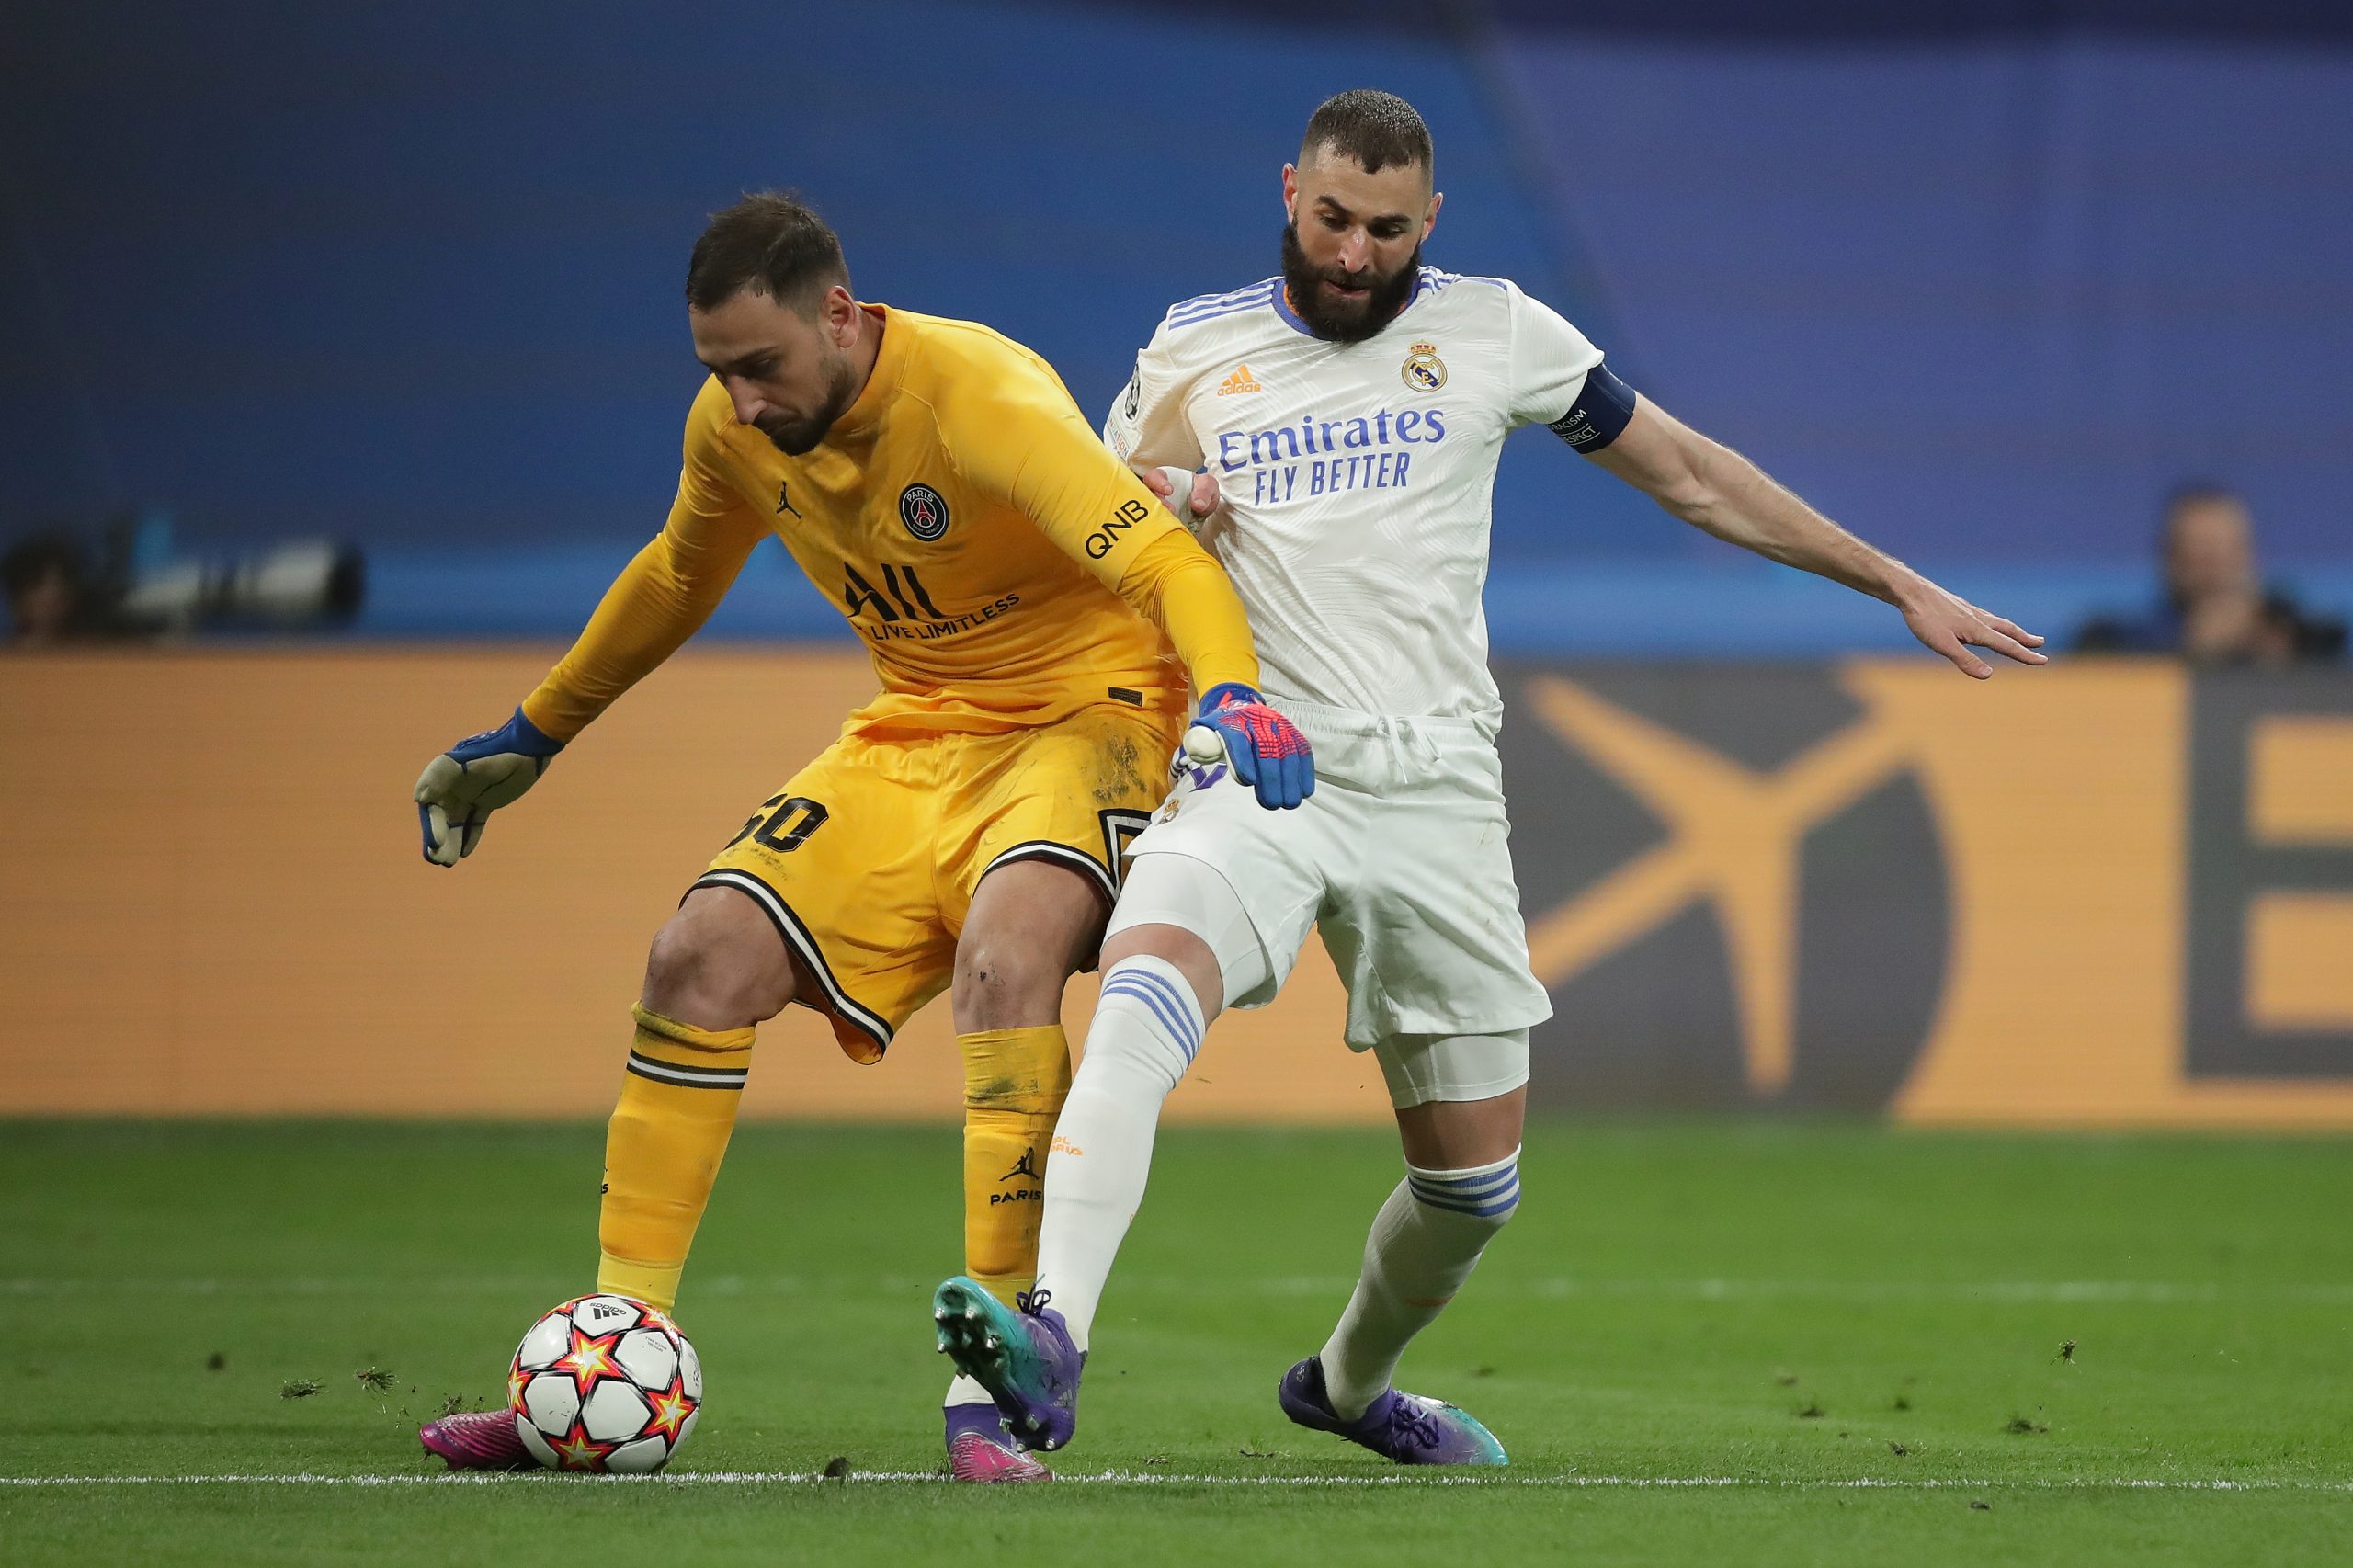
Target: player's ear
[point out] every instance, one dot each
(1429, 219)
(838, 313)
(1290, 191)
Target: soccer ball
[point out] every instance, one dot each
(605, 1384)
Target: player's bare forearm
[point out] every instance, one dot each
(1715, 488)
(1746, 507)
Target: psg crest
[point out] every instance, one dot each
(1423, 369)
(924, 511)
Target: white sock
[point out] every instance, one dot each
(1146, 1029)
(964, 1390)
(1425, 1242)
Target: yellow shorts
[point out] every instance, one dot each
(867, 860)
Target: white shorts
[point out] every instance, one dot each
(1400, 858)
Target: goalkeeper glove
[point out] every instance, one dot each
(459, 789)
(1266, 750)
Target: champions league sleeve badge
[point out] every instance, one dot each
(1423, 369)
(925, 511)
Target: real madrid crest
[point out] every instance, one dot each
(924, 511)
(1423, 369)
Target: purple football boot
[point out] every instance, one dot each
(979, 1449)
(477, 1439)
(1024, 1359)
(1408, 1427)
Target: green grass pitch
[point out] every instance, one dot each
(1784, 1343)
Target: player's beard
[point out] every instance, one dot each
(796, 437)
(1345, 324)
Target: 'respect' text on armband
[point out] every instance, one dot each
(1599, 415)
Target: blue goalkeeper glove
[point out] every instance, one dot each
(1266, 750)
(459, 789)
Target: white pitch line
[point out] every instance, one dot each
(2142, 1292)
(1160, 1478)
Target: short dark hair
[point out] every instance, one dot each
(1374, 127)
(2196, 493)
(771, 244)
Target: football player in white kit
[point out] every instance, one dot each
(1345, 419)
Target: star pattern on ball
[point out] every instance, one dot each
(589, 1359)
(580, 1451)
(671, 1409)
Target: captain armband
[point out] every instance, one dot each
(1599, 415)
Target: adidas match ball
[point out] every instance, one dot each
(605, 1384)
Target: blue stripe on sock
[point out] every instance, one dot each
(1167, 990)
(1158, 995)
(1184, 1011)
(1484, 1209)
(1144, 983)
(1487, 1211)
(1169, 1019)
(1151, 999)
(1486, 1196)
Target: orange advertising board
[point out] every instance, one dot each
(2098, 894)
(214, 904)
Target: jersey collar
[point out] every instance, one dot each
(1282, 307)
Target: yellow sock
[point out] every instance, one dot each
(1015, 1080)
(661, 1151)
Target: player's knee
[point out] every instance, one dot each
(1004, 982)
(717, 964)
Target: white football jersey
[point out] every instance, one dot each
(1357, 477)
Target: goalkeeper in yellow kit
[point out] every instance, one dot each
(1034, 615)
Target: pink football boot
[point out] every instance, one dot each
(479, 1439)
(979, 1449)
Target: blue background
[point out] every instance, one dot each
(1981, 280)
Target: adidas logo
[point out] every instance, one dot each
(1241, 381)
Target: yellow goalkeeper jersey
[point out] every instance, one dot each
(994, 556)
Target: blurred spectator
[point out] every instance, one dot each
(46, 579)
(2216, 608)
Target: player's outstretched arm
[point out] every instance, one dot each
(1712, 487)
(660, 599)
